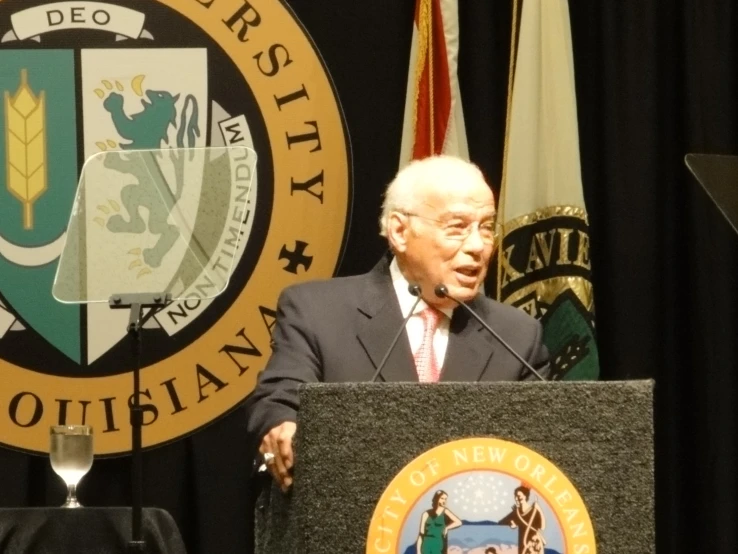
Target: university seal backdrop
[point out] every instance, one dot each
(79, 78)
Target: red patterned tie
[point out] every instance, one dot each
(425, 357)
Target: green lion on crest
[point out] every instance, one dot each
(147, 130)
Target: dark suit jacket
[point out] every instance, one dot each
(338, 330)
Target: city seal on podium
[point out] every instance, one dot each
(480, 496)
(82, 78)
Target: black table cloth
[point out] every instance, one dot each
(84, 530)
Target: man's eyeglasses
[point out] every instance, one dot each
(458, 229)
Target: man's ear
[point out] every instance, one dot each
(397, 231)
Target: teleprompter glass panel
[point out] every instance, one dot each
(155, 221)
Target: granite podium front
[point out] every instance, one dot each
(353, 439)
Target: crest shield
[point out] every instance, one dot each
(141, 99)
(38, 174)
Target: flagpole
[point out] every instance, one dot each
(508, 112)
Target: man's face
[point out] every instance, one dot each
(428, 246)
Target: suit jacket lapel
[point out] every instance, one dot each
(379, 320)
(469, 350)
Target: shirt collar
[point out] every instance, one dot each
(406, 299)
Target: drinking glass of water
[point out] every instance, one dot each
(71, 457)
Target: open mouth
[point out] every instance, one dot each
(467, 274)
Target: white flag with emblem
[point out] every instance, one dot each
(544, 256)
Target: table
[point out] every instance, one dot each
(84, 530)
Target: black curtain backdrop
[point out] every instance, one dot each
(656, 79)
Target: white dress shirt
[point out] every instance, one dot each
(415, 329)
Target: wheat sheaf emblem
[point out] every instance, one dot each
(25, 140)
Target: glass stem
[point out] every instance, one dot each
(72, 495)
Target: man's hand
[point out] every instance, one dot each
(278, 441)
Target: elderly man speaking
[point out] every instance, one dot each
(439, 219)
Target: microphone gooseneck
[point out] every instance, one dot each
(415, 290)
(441, 291)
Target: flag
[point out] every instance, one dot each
(543, 260)
(434, 118)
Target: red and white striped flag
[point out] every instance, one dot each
(434, 118)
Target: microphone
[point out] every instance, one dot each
(442, 292)
(415, 291)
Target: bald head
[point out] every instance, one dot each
(435, 178)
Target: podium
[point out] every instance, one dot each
(353, 439)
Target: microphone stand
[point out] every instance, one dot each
(136, 319)
(442, 292)
(415, 291)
